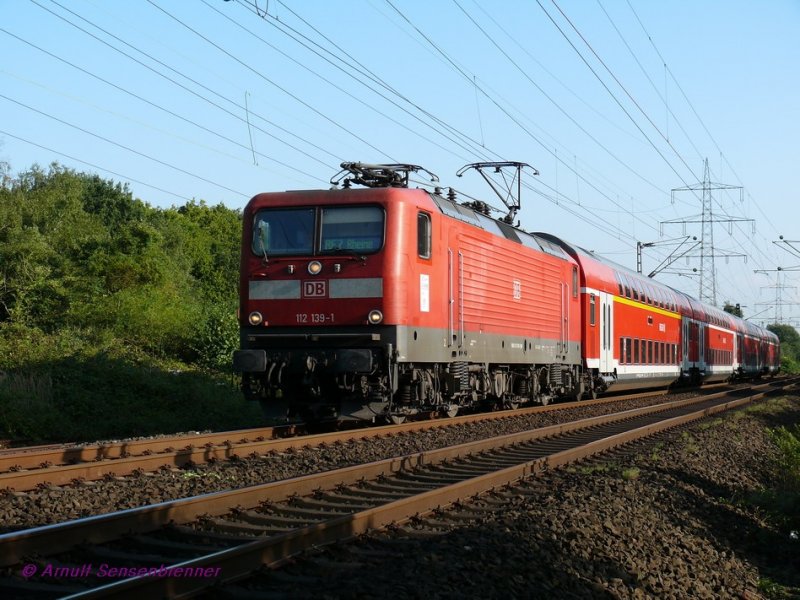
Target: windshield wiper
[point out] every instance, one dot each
(347, 251)
(261, 235)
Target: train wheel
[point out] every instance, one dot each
(452, 410)
(398, 419)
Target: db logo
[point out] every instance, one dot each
(315, 289)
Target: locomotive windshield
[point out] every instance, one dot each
(291, 231)
(358, 228)
(283, 232)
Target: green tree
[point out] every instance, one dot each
(790, 346)
(79, 251)
(733, 309)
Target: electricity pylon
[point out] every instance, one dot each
(708, 280)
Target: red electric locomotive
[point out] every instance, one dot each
(381, 302)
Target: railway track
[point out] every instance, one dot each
(24, 469)
(190, 545)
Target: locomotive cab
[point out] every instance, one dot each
(312, 304)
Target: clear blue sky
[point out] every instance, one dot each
(209, 100)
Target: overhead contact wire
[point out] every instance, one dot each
(94, 166)
(272, 83)
(155, 105)
(180, 85)
(124, 147)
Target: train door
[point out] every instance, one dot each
(685, 344)
(702, 331)
(694, 339)
(739, 348)
(606, 333)
(455, 298)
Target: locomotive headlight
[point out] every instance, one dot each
(375, 317)
(314, 267)
(255, 318)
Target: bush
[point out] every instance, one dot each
(217, 336)
(788, 442)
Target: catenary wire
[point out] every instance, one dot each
(155, 105)
(124, 147)
(94, 166)
(271, 82)
(183, 87)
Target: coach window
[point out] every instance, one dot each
(622, 350)
(592, 309)
(574, 282)
(636, 351)
(628, 345)
(424, 235)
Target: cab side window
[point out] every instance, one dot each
(423, 235)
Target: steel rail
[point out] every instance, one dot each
(26, 470)
(240, 561)
(102, 528)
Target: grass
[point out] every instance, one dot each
(631, 473)
(607, 468)
(99, 397)
(780, 505)
(689, 443)
(770, 406)
(710, 423)
(655, 454)
(776, 591)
